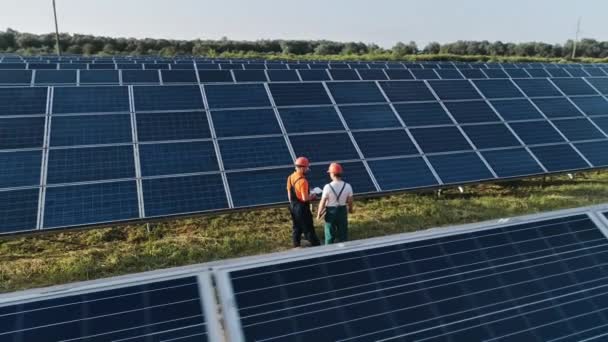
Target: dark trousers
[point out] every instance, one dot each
(302, 224)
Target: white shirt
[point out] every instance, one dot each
(332, 201)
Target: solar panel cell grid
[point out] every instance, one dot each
(177, 158)
(74, 100)
(18, 210)
(255, 152)
(407, 91)
(471, 112)
(595, 152)
(559, 158)
(15, 77)
(557, 108)
(460, 167)
(455, 90)
(521, 109)
(27, 132)
(157, 98)
(140, 76)
(20, 168)
(23, 101)
(324, 147)
(440, 139)
(578, 129)
(402, 173)
(385, 143)
(512, 163)
(369, 116)
(472, 286)
(297, 94)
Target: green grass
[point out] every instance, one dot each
(66, 257)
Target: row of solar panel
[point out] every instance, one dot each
(543, 278)
(586, 93)
(196, 184)
(277, 66)
(127, 77)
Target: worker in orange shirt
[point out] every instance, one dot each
(299, 204)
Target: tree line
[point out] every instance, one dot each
(12, 41)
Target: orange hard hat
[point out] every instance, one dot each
(302, 162)
(335, 168)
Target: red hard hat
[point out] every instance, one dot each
(335, 168)
(302, 162)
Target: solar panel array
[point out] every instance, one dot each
(544, 279)
(206, 140)
(533, 278)
(151, 310)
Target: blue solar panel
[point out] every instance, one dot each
(494, 89)
(46, 77)
(282, 75)
(557, 72)
(471, 112)
(559, 158)
(369, 116)
(178, 76)
(577, 72)
(306, 119)
(574, 86)
(355, 174)
(261, 184)
(324, 147)
(516, 109)
(20, 169)
(91, 130)
(399, 74)
(578, 129)
(186, 97)
(491, 136)
(15, 77)
(407, 91)
(460, 167)
(512, 163)
(537, 72)
(177, 158)
(21, 132)
(402, 173)
(385, 143)
(154, 310)
(473, 73)
(237, 95)
(160, 66)
(99, 77)
(344, 75)
(592, 106)
(296, 94)
(524, 285)
(256, 152)
(91, 203)
(23, 101)
(595, 152)
(42, 66)
(207, 66)
(140, 76)
(372, 74)
(90, 164)
(557, 108)
(73, 100)
(449, 74)
(7, 65)
(423, 114)
(18, 210)
(250, 76)
(455, 90)
(517, 73)
(537, 87)
(600, 83)
(424, 74)
(440, 139)
(595, 71)
(172, 126)
(314, 75)
(495, 73)
(215, 76)
(536, 132)
(355, 92)
(230, 123)
(180, 195)
(102, 66)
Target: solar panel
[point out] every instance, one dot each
(230, 123)
(140, 76)
(440, 139)
(183, 194)
(298, 94)
(423, 114)
(424, 74)
(600, 83)
(306, 119)
(517, 73)
(559, 158)
(407, 91)
(473, 73)
(158, 309)
(385, 143)
(399, 74)
(495, 73)
(594, 152)
(254, 152)
(372, 74)
(455, 90)
(573, 86)
(449, 74)
(215, 76)
(557, 108)
(90, 130)
(21, 132)
(282, 75)
(509, 282)
(355, 92)
(172, 126)
(15, 77)
(250, 76)
(74, 100)
(491, 136)
(314, 75)
(19, 210)
(22, 101)
(537, 87)
(515, 162)
(521, 109)
(471, 112)
(402, 173)
(99, 77)
(592, 106)
(20, 168)
(369, 116)
(496, 89)
(178, 76)
(578, 129)
(157, 98)
(177, 158)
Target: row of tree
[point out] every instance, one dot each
(27, 43)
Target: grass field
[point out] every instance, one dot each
(66, 257)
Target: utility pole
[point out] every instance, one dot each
(56, 30)
(578, 31)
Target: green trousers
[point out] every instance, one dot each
(336, 225)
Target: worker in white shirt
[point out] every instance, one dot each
(336, 203)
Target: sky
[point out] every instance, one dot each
(383, 22)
